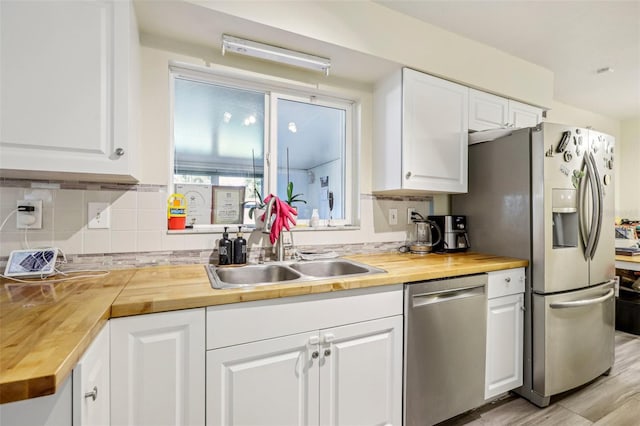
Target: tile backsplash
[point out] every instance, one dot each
(138, 222)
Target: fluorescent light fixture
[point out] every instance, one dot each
(274, 53)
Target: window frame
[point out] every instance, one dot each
(273, 90)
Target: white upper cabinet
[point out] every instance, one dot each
(420, 134)
(487, 111)
(68, 90)
(523, 115)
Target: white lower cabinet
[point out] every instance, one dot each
(91, 384)
(157, 369)
(361, 373)
(342, 375)
(82, 400)
(50, 410)
(505, 316)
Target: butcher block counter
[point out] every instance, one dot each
(46, 327)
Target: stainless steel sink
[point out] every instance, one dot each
(329, 268)
(285, 272)
(256, 274)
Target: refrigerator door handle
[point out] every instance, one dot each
(600, 203)
(580, 303)
(582, 204)
(594, 208)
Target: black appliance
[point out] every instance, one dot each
(454, 233)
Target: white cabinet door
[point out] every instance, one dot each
(523, 115)
(361, 373)
(434, 133)
(504, 344)
(67, 89)
(91, 384)
(268, 382)
(158, 369)
(487, 111)
(420, 135)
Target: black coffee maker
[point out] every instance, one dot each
(454, 233)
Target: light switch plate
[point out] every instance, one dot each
(99, 216)
(393, 216)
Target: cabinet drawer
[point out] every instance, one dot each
(504, 283)
(250, 321)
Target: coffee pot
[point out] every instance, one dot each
(424, 238)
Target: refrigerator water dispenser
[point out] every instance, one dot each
(565, 218)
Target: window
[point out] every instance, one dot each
(238, 133)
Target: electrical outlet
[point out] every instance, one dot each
(99, 216)
(393, 216)
(29, 220)
(409, 211)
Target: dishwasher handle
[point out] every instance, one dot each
(429, 298)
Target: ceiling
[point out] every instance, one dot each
(571, 38)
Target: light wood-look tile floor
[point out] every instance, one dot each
(612, 400)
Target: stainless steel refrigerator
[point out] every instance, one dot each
(546, 194)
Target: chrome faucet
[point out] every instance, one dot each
(267, 230)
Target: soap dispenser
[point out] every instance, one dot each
(239, 248)
(225, 252)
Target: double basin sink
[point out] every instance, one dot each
(285, 272)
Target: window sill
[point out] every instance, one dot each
(217, 229)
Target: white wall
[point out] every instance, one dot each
(628, 160)
(372, 29)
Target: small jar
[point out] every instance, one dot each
(315, 219)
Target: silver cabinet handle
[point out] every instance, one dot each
(327, 352)
(408, 175)
(119, 152)
(315, 354)
(579, 303)
(93, 394)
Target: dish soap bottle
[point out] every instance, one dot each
(225, 252)
(239, 248)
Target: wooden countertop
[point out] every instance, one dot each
(623, 258)
(45, 328)
(630, 263)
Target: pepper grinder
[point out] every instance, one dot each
(330, 208)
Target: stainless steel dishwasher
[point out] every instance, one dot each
(444, 356)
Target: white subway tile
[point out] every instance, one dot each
(149, 240)
(68, 220)
(69, 199)
(123, 241)
(152, 220)
(124, 200)
(96, 241)
(70, 242)
(124, 219)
